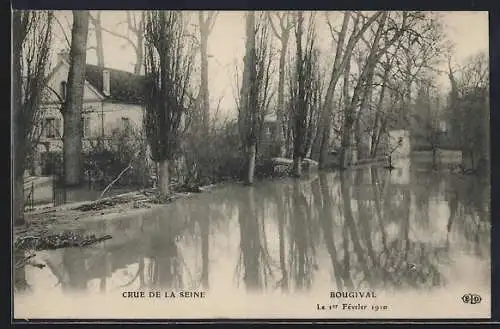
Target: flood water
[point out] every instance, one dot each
(414, 240)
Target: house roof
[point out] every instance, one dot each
(125, 87)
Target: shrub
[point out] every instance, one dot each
(107, 158)
(214, 157)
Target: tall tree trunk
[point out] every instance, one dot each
(280, 135)
(139, 49)
(283, 35)
(18, 211)
(99, 46)
(72, 137)
(250, 98)
(18, 138)
(251, 155)
(378, 125)
(325, 134)
(205, 97)
(164, 178)
(346, 133)
(300, 114)
(363, 136)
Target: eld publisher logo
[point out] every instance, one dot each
(471, 299)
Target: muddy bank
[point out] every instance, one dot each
(62, 226)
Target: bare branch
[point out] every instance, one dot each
(212, 18)
(273, 27)
(68, 42)
(121, 36)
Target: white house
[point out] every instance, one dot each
(112, 99)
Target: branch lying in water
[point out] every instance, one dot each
(115, 180)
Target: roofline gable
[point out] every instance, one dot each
(87, 84)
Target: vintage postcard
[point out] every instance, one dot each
(249, 164)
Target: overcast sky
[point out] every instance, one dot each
(467, 30)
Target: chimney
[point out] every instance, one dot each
(105, 82)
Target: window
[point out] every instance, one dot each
(62, 91)
(125, 123)
(51, 127)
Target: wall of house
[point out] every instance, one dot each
(102, 117)
(52, 104)
(114, 112)
(51, 113)
(99, 116)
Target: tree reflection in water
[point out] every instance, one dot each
(325, 201)
(362, 261)
(368, 257)
(470, 211)
(166, 265)
(254, 261)
(302, 249)
(74, 263)
(404, 262)
(280, 200)
(201, 215)
(20, 283)
(377, 233)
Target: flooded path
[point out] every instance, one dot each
(406, 244)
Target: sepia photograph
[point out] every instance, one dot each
(175, 164)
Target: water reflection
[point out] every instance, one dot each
(361, 229)
(20, 283)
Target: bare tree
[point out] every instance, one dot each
(414, 54)
(168, 66)
(365, 76)
(302, 91)
(255, 94)
(283, 35)
(248, 99)
(135, 25)
(470, 106)
(206, 24)
(32, 36)
(427, 116)
(72, 110)
(99, 45)
(342, 57)
(390, 28)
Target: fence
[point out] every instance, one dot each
(58, 190)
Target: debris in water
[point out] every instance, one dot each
(55, 241)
